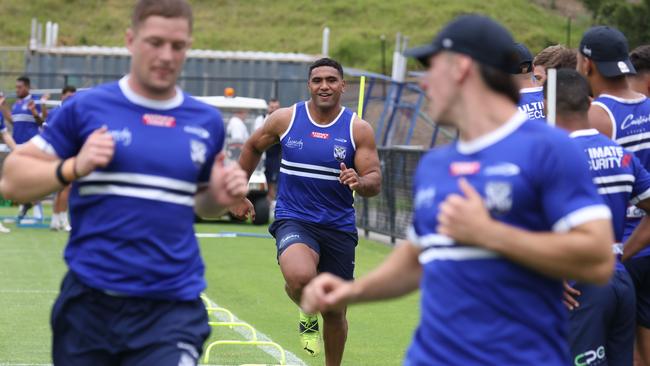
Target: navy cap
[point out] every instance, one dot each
(607, 48)
(525, 59)
(476, 36)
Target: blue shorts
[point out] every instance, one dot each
(639, 269)
(91, 327)
(601, 329)
(334, 247)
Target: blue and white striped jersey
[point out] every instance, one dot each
(24, 123)
(631, 129)
(308, 186)
(531, 102)
(479, 308)
(132, 222)
(619, 176)
(3, 127)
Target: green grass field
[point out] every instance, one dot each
(292, 25)
(242, 276)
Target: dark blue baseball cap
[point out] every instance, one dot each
(607, 47)
(525, 59)
(476, 36)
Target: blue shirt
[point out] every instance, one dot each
(531, 102)
(132, 222)
(3, 127)
(308, 185)
(619, 176)
(24, 123)
(631, 129)
(479, 308)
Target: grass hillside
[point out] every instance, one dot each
(290, 25)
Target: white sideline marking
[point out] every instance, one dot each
(291, 358)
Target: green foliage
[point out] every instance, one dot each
(291, 25)
(630, 18)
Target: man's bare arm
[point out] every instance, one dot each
(365, 179)
(600, 120)
(268, 135)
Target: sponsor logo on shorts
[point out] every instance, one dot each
(158, 120)
(591, 357)
(320, 135)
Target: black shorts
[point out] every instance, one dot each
(639, 269)
(334, 247)
(91, 327)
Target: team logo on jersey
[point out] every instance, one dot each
(198, 152)
(464, 168)
(504, 169)
(320, 135)
(498, 196)
(196, 130)
(424, 197)
(339, 153)
(122, 136)
(158, 120)
(294, 144)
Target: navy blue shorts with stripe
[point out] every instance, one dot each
(639, 269)
(91, 327)
(601, 329)
(334, 247)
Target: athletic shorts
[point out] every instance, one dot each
(91, 327)
(639, 270)
(601, 329)
(334, 247)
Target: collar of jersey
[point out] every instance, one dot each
(27, 97)
(487, 140)
(623, 100)
(534, 89)
(319, 125)
(585, 132)
(135, 98)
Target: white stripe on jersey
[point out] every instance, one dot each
(427, 240)
(619, 178)
(614, 189)
(143, 179)
(308, 175)
(581, 216)
(637, 137)
(43, 145)
(310, 166)
(144, 193)
(635, 148)
(456, 254)
(23, 118)
(640, 197)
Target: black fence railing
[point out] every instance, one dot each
(389, 213)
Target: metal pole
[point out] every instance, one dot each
(568, 32)
(383, 63)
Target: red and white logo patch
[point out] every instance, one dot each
(464, 168)
(320, 135)
(158, 120)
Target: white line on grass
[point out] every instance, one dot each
(291, 358)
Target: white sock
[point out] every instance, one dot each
(38, 211)
(63, 219)
(55, 221)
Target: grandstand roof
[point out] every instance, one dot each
(213, 54)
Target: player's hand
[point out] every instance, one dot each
(229, 183)
(464, 218)
(570, 295)
(349, 177)
(326, 292)
(242, 209)
(96, 152)
(32, 107)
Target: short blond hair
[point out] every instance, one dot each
(557, 57)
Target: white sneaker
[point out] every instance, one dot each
(55, 224)
(64, 224)
(4, 230)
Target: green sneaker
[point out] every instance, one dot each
(309, 334)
